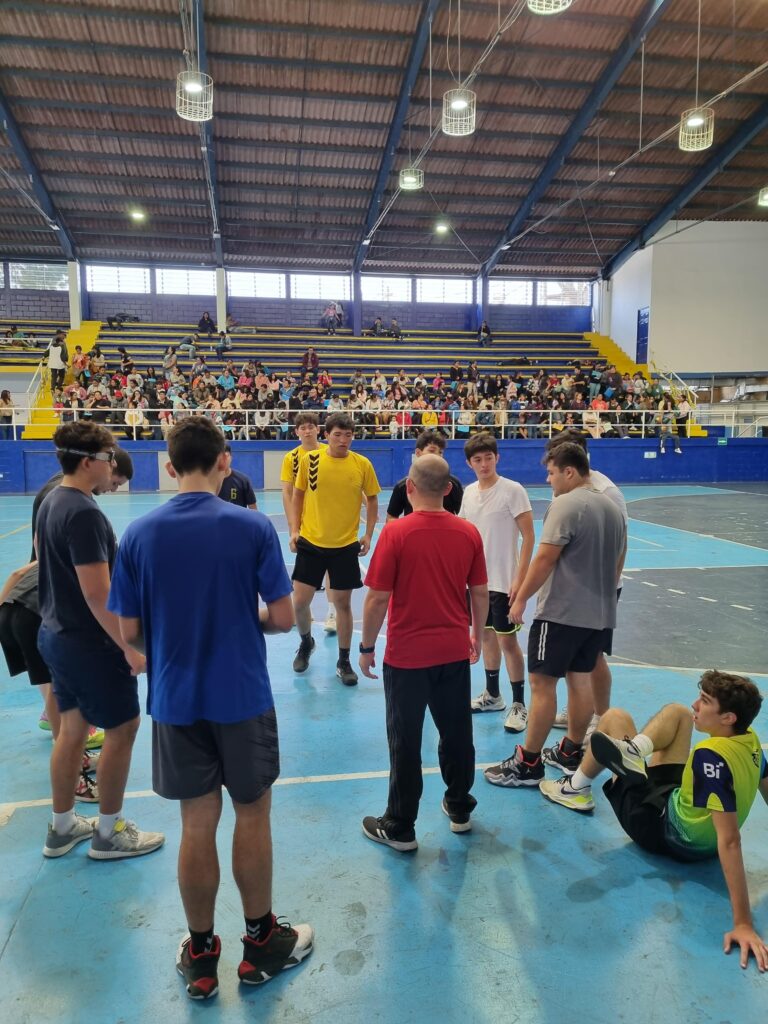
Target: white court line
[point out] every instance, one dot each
(742, 607)
(712, 600)
(7, 810)
(644, 541)
(671, 591)
(708, 536)
(632, 663)
(647, 584)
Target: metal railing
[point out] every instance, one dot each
(398, 424)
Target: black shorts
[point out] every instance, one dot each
(498, 614)
(18, 637)
(641, 806)
(341, 564)
(189, 761)
(90, 673)
(554, 649)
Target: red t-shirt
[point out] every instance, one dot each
(427, 560)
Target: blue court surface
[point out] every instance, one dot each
(537, 915)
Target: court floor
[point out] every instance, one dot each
(536, 914)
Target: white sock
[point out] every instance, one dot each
(107, 822)
(64, 822)
(644, 744)
(580, 781)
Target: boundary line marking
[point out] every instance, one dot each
(26, 526)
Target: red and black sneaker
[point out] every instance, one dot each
(200, 971)
(284, 947)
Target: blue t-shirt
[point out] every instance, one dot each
(193, 571)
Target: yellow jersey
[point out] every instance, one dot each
(291, 462)
(332, 490)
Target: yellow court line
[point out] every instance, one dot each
(26, 526)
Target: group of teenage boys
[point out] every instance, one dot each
(107, 609)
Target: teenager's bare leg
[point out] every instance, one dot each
(67, 759)
(252, 855)
(669, 730)
(513, 656)
(302, 601)
(580, 708)
(199, 860)
(342, 602)
(601, 681)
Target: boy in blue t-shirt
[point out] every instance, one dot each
(213, 718)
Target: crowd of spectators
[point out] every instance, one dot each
(251, 401)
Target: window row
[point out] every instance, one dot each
(322, 287)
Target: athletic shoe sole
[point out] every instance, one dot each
(122, 854)
(484, 710)
(607, 754)
(61, 850)
(457, 826)
(511, 783)
(396, 844)
(552, 792)
(349, 681)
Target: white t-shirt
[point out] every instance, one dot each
(494, 512)
(603, 485)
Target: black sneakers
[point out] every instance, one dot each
(380, 831)
(459, 822)
(304, 653)
(199, 971)
(345, 672)
(284, 947)
(515, 772)
(556, 757)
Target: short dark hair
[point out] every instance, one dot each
(565, 455)
(306, 417)
(123, 464)
(194, 444)
(428, 437)
(228, 448)
(482, 442)
(339, 421)
(82, 436)
(566, 437)
(733, 693)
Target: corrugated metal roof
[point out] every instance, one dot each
(305, 97)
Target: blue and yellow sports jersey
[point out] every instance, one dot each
(722, 773)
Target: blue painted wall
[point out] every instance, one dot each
(26, 465)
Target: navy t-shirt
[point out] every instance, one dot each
(71, 530)
(206, 656)
(237, 489)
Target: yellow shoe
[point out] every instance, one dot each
(95, 738)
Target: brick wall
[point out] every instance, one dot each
(31, 304)
(173, 309)
(540, 318)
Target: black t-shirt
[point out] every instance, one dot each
(71, 530)
(400, 506)
(40, 497)
(237, 489)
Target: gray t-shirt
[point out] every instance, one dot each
(581, 591)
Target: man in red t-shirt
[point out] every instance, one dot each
(420, 571)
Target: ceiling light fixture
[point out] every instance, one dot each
(548, 6)
(194, 96)
(459, 105)
(138, 215)
(697, 125)
(411, 179)
(762, 198)
(442, 227)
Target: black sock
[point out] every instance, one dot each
(306, 638)
(258, 928)
(202, 942)
(344, 654)
(518, 693)
(531, 756)
(492, 681)
(568, 746)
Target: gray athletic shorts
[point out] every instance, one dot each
(189, 761)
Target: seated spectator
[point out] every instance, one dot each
(170, 361)
(233, 326)
(96, 361)
(358, 377)
(189, 344)
(378, 382)
(335, 404)
(205, 325)
(226, 380)
(377, 328)
(310, 361)
(312, 400)
(599, 403)
(199, 366)
(394, 329)
(465, 419)
(484, 336)
(401, 380)
(224, 344)
(245, 380)
(135, 421)
(331, 318)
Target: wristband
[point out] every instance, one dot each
(367, 650)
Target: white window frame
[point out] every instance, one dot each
(117, 280)
(185, 281)
(504, 292)
(443, 290)
(322, 287)
(385, 289)
(249, 284)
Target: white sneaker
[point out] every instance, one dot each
(517, 719)
(330, 622)
(619, 756)
(485, 702)
(561, 719)
(124, 841)
(58, 843)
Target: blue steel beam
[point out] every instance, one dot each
(757, 123)
(643, 24)
(415, 58)
(206, 140)
(34, 178)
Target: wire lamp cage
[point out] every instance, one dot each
(697, 129)
(411, 179)
(194, 96)
(548, 6)
(762, 198)
(459, 112)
